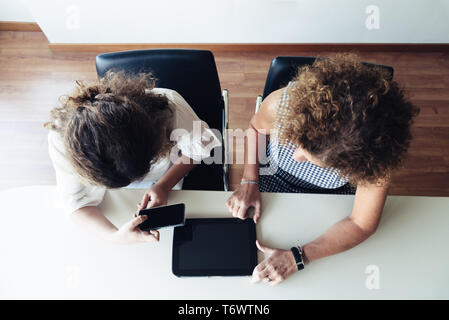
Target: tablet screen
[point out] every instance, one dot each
(215, 247)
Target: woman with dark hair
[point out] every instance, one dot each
(339, 127)
(118, 132)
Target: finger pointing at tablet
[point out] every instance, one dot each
(257, 211)
(244, 197)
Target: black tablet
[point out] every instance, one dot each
(215, 247)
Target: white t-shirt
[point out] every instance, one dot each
(76, 194)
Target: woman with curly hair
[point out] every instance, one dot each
(339, 127)
(116, 133)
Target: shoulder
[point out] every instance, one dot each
(173, 96)
(266, 116)
(184, 115)
(56, 141)
(377, 189)
(58, 153)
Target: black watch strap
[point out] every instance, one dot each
(298, 258)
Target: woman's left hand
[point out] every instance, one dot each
(155, 196)
(279, 265)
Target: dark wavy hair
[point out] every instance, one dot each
(351, 116)
(114, 129)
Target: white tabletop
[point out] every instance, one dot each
(44, 255)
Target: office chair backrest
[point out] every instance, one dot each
(193, 74)
(284, 69)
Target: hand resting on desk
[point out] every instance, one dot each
(279, 265)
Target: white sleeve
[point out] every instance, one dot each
(198, 139)
(74, 193)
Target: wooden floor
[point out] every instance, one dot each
(32, 77)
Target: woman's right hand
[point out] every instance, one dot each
(131, 233)
(245, 196)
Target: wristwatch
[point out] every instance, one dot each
(298, 255)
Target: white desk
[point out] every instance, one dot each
(44, 255)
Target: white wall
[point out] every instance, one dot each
(240, 21)
(14, 10)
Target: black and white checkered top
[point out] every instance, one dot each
(282, 173)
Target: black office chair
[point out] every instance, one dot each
(284, 69)
(193, 74)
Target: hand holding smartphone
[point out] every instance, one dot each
(163, 216)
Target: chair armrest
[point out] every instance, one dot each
(258, 103)
(226, 140)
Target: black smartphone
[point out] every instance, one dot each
(163, 216)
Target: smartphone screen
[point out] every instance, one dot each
(163, 216)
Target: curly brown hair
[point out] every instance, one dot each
(114, 129)
(351, 116)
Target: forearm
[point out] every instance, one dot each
(182, 166)
(251, 169)
(349, 232)
(342, 236)
(93, 220)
